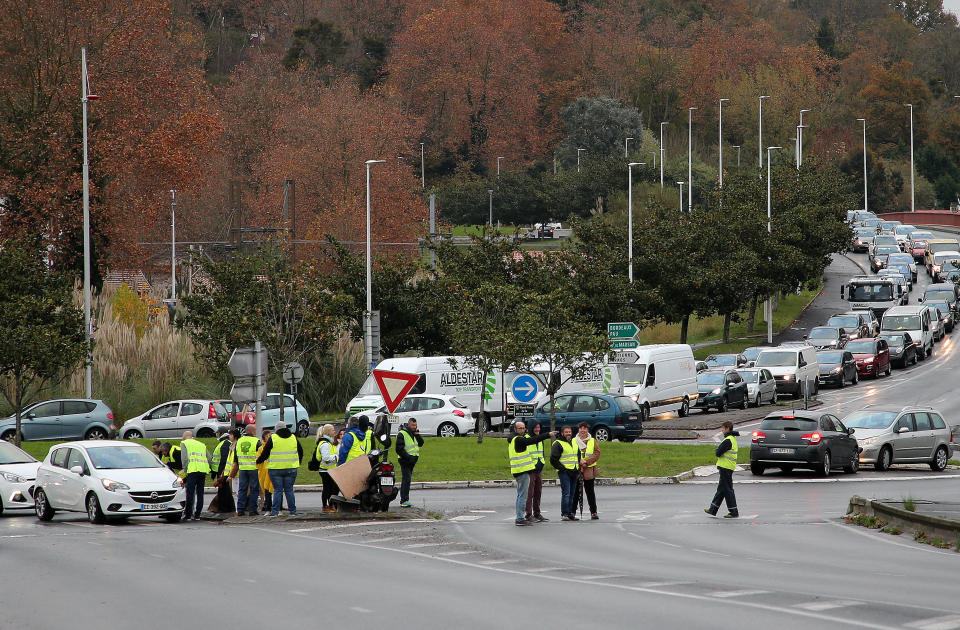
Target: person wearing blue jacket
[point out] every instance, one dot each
(356, 434)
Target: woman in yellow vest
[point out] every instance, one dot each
(589, 454)
(327, 456)
(726, 453)
(266, 488)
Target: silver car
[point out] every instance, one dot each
(171, 419)
(761, 386)
(889, 435)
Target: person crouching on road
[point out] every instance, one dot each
(282, 454)
(195, 461)
(564, 456)
(521, 463)
(726, 453)
(245, 468)
(327, 456)
(408, 452)
(263, 476)
(536, 477)
(589, 454)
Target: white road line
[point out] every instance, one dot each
(250, 580)
(886, 538)
(602, 576)
(343, 525)
(298, 593)
(455, 553)
(492, 562)
(826, 480)
(484, 511)
(545, 569)
(666, 543)
(360, 609)
(659, 584)
(381, 540)
(743, 593)
(433, 544)
(466, 517)
(948, 622)
(712, 553)
(828, 605)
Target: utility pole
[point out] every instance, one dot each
(661, 153)
(88, 328)
(690, 158)
(290, 215)
(864, 121)
(173, 246)
(423, 172)
(720, 141)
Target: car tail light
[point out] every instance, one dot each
(458, 413)
(619, 420)
(386, 467)
(211, 412)
(815, 438)
(757, 436)
(110, 416)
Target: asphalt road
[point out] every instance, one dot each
(654, 559)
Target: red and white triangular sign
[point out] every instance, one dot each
(394, 386)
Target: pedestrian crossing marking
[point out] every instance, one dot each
(744, 593)
(827, 605)
(947, 622)
(466, 517)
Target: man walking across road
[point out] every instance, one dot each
(521, 463)
(195, 462)
(283, 455)
(536, 477)
(564, 456)
(408, 452)
(726, 463)
(589, 454)
(245, 467)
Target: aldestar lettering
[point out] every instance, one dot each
(448, 379)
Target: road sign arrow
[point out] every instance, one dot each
(622, 330)
(525, 388)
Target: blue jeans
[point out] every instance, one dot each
(282, 480)
(249, 484)
(523, 486)
(568, 489)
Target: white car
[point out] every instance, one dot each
(18, 471)
(761, 386)
(107, 480)
(436, 414)
(171, 419)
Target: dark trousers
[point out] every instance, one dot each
(724, 493)
(591, 496)
(568, 491)
(406, 476)
(533, 494)
(330, 487)
(194, 485)
(225, 503)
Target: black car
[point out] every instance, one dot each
(947, 316)
(720, 387)
(853, 324)
(726, 360)
(803, 439)
(837, 367)
(903, 351)
(826, 337)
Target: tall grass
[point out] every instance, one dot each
(330, 380)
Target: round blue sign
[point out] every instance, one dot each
(525, 388)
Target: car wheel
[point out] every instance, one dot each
(644, 413)
(825, 465)
(884, 459)
(756, 468)
(756, 402)
(96, 433)
(303, 428)
(745, 401)
(919, 356)
(94, 513)
(843, 382)
(41, 506)
(10, 436)
(205, 433)
(856, 378)
(601, 433)
(854, 466)
(889, 369)
(684, 410)
(939, 461)
(173, 518)
(722, 405)
(447, 429)
(132, 434)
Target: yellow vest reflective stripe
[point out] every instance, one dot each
(410, 444)
(519, 462)
(327, 440)
(729, 459)
(536, 452)
(568, 454)
(196, 456)
(246, 450)
(283, 453)
(587, 452)
(360, 446)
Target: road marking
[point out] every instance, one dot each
(637, 515)
(657, 584)
(484, 511)
(828, 605)
(826, 480)
(712, 553)
(250, 580)
(360, 609)
(885, 538)
(381, 540)
(466, 517)
(343, 525)
(433, 544)
(744, 593)
(602, 576)
(491, 562)
(666, 543)
(298, 593)
(455, 553)
(545, 569)
(948, 622)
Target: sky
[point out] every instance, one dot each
(953, 6)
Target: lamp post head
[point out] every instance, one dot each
(722, 100)
(668, 122)
(862, 119)
(374, 161)
(804, 111)
(636, 164)
(765, 96)
(910, 105)
(629, 138)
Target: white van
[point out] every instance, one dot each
(793, 367)
(664, 378)
(600, 379)
(914, 320)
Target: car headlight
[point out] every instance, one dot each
(716, 391)
(867, 441)
(868, 360)
(787, 377)
(177, 484)
(837, 370)
(113, 486)
(12, 477)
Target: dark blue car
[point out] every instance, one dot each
(609, 416)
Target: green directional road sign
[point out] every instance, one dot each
(624, 344)
(622, 330)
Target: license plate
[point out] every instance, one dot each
(153, 506)
(393, 418)
(782, 451)
(386, 482)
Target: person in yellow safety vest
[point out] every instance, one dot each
(536, 477)
(326, 454)
(170, 455)
(282, 454)
(726, 453)
(356, 440)
(218, 456)
(245, 467)
(195, 461)
(521, 463)
(223, 470)
(589, 454)
(408, 453)
(565, 457)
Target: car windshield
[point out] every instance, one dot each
(932, 295)
(707, 378)
(832, 358)
(722, 359)
(901, 269)
(752, 353)
(903, 229)
(788, 424)
(871, 292)
(627, 404)
(844, 321)
(905, 259)
(749, 376)
(944, 256)
(10, 454)
(900, 322)
(921, 236)
(870, 419)
(823, 333)
(865, 232)
(893, 340)
(632, 374)
(942, 247)
(859, 346)
(885, 250)
(457, 403)
(772, 358)
(122, 457)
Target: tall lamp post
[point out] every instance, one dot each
(681, 194)
(423, 172)
(661, 153)
(499, 157)
(864, 121)
(626, 150)
(690, 158)
(578, 159)
(913, 203)
(490, 192)
(769, 305)
(86, 96)
(800, 129)
(737, 147)
(630, 218)
(760, 133)
(173, 246)
(720, 140)
(368, 315)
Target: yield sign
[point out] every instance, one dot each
(394, 386)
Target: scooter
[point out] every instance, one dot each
(381, 484)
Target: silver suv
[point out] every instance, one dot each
(888, 435)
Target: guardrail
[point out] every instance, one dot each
(924, 217)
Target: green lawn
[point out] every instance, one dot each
(460, 459)
(477, 230)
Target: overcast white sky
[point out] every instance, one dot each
(953, 6)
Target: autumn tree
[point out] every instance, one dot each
(885, 97)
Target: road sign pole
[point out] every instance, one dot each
(256, 390)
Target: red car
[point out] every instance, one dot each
(872, 356)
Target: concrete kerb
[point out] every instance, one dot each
(934, 527)
(857, 263)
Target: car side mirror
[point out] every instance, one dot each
(804, 336)
(920, 299)
(902, 430)
(30, 416)
(850, 431)
(77, 470)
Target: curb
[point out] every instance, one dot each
(857, 263)
(932, 526)
(306, 516)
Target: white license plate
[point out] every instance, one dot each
(393, 418)
(782, 451)
(386, 481)
(153, 506)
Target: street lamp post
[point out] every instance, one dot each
(913, 202)
(86, 96)
(681, 195)
(630, 218)
(490, 192)
(626, 150)
(720, 141)
(661, 153)
(173, 246)
(690, 158)
(737, 147)
(760, 133)
(578, 159)
(653, 154)
(423, 172)
(368, 315)
(499, 157)
(800, 138)
(769, 305)
(864, 121)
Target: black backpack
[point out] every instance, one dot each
(314, 463)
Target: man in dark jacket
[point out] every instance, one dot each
(220, 453)
(726, 453)
(356, 434)
(408, 452)
(536, 476)
(521, 463)
(564, 456)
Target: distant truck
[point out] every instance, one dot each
(872, 292)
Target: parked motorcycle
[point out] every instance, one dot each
(381, 483)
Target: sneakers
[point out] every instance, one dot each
(731, 515)
(569, 517)
(329, 508)
(522, 523)
(270, 515)
(406, 504)
(594, 517)
(541, 518)
(708, 511)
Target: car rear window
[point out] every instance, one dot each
(788, 424)
(627, 404)
(829, 357)
(457, 403)
(773, 358)
(937, 421)
(711, 378)
(860, 346)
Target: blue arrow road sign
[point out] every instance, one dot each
(525, 388)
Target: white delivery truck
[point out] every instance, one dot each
(663, 378)
(599, 379)
(876, 293)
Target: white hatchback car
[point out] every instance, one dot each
(18, 471)
(171, 419)
(107, 480)
(761, 386)
(436, 414)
